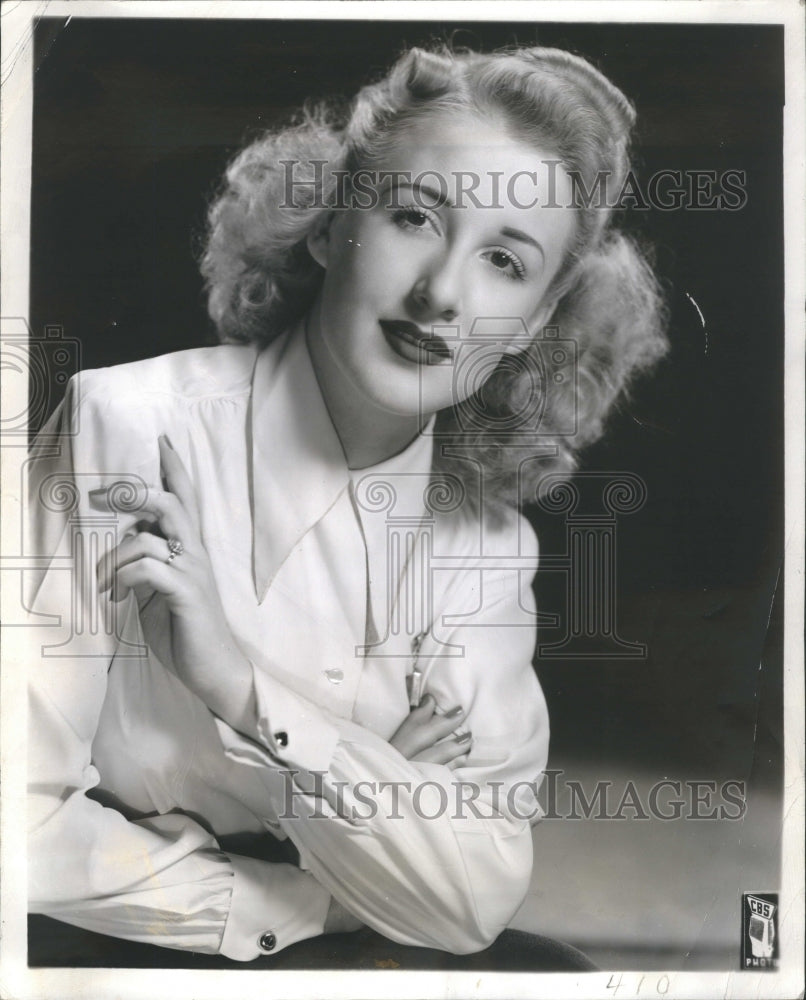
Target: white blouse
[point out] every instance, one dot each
(338, 586)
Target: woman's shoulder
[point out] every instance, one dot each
(484, 566)
(222, 370)
(504, 536)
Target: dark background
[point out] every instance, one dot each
(134, 122)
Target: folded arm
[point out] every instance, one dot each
(425, 853)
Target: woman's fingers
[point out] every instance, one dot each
(423, 713)
(142, 561)
(130, 549)
(177, 479)
(166, 509)
(146, 575)
(175, 508)
(173, 519)
(458, 762)
(437, 728)
(404, 739)
(446, 751)
(423, 728)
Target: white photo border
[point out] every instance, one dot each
(16, 979)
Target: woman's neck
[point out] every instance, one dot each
(369, 434)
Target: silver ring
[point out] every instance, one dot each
(175, 548)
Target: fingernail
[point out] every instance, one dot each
(99, 499)
(454, 712)
(464, 738)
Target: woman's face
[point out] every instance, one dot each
(419, 303)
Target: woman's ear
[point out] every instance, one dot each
(318, 240)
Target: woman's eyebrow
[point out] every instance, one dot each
(518, 234)
(439, 197)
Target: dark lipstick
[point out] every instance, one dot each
(396, 330)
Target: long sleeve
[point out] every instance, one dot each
(424, 854)
(155, 878)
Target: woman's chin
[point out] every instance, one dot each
(409, 390)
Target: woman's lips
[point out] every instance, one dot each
(409, 342)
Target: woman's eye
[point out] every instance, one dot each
(412, 218)
(507, 263)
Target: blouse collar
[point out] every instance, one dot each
(298, 468)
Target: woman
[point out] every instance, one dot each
(312, 618)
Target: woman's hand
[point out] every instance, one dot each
(425, 736)
(180, 609)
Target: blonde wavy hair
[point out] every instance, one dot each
(261, 278)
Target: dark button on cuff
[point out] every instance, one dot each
(267, 941)
(281, 739)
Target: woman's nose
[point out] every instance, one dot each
(437, 292)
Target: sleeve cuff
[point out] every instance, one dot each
(272, 907)
(293, 732)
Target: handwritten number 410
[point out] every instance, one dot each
(661, 985)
